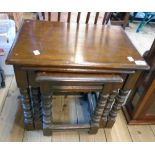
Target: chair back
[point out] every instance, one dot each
(80, 17)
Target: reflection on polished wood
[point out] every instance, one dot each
(73, 45)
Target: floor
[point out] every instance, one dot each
(11, 121)
(144, 39)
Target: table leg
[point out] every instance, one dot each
(108, 106)
(46, 109)
(23, 85)
(101, 103)
(37, 109)
(132, 84)
(27, 108)
(119, 101)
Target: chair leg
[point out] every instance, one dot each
(144, 22)
(140, 25)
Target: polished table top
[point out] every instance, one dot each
(56, 44)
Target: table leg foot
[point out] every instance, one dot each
(93, 129)
(47, 131)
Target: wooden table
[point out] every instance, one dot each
(54, 58)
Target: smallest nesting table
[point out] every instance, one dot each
(59, 58)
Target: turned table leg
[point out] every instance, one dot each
(25, 98)
(27, 108)
(108, 106)
(36, 106)
(119, 101)
(100, 106)
(46, 98)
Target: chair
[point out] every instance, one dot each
(147, 18)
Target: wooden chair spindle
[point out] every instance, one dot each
(96, 17)
(78, 17)
(49, 16)
(87, 18)
(69, 17)
(59, 16)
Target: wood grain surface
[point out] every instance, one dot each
(76, 45)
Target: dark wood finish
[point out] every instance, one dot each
(101, 105)
(76, 78)
(120, 100)
(66, 55)
(87, 18)
(25, 99)
(46, 79)
(106, 18)
(80, 70)
(59, 16)
(107, 110)
(70, 127)
(73, 58)
(49, 16)
(46, 96)
(96, 17)
(36, 107)
(41, 16)
(140, 109)
(76, 88)
(27, 109)
(78, 17)
(69, 17)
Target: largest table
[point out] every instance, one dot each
(54, 57)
